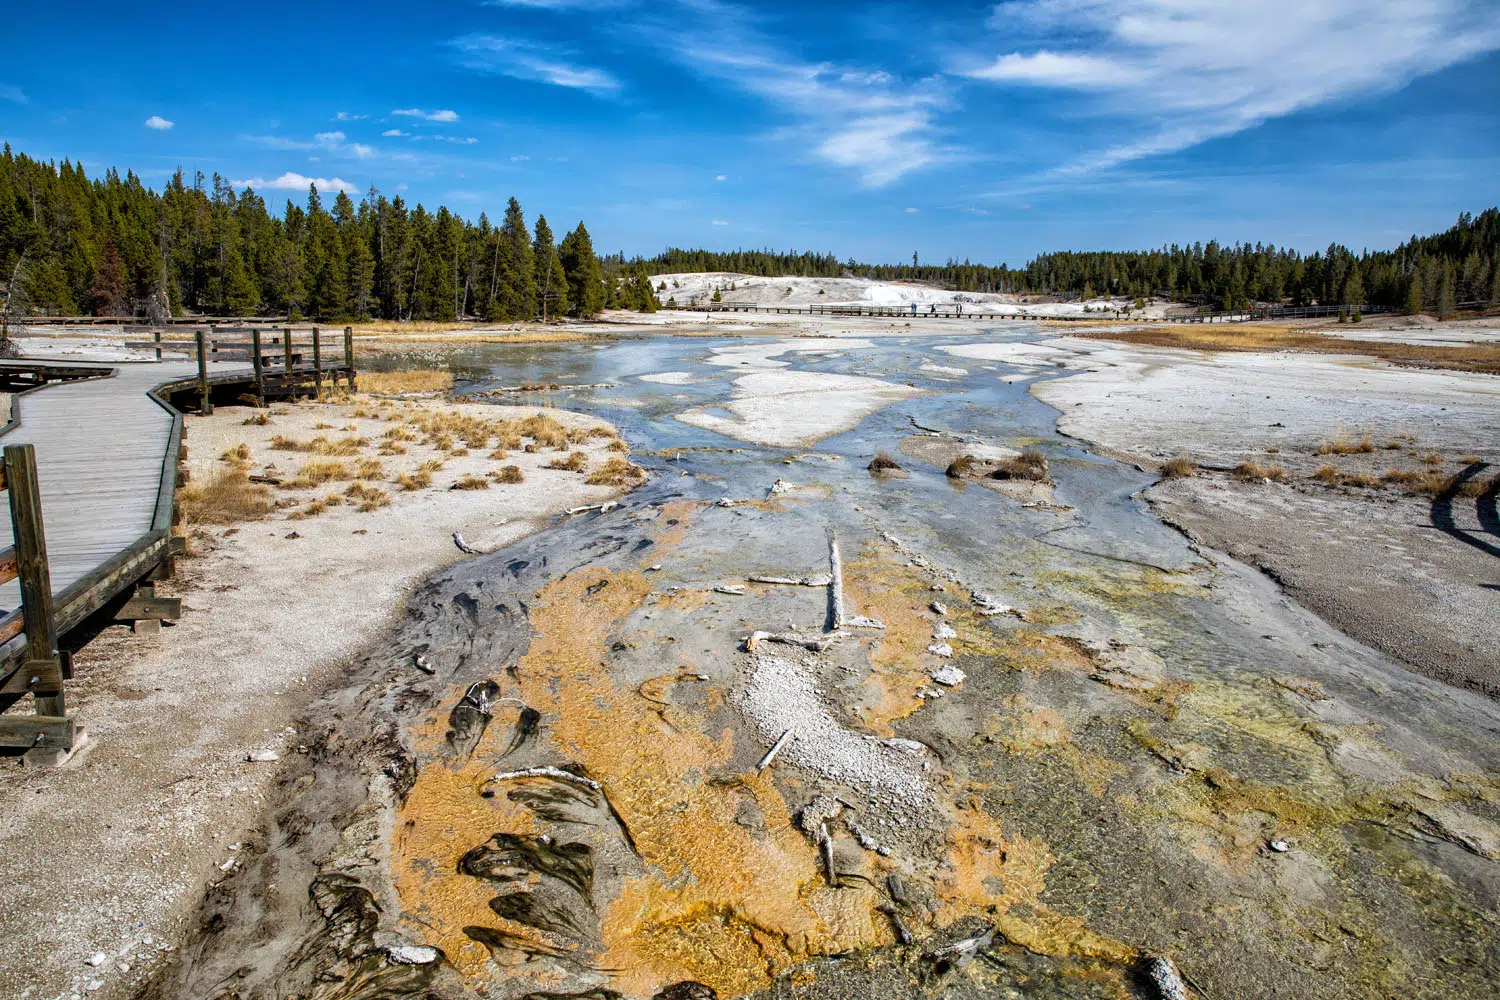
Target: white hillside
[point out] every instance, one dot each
(698, 289)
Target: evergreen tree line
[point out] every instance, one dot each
(1424, 274)
(111, 246)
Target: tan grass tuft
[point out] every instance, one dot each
(228, 498)
(509, 474)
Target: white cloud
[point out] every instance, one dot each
(330, 142)
(14, 94)
(290, 181)
(721, 177)
(444, 115)
(519, 158)
(529, 61)
(720, 222)
(912, 211)
(1185, 72)
(159, 123)
(328, 138)
(345, 116)
(869, 121)
(557, 4)
(394, 132)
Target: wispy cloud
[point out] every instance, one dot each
(394, 132)
(867, 120)
(291, 181)
(557, 4)
(721, 222)
(433, 116)
(1183, 73)
(158, 123)
(345, 116)
(529, 61)
(13, 94)
(331, 142)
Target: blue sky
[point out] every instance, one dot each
(980, 130)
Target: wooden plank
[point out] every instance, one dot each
(150, 607)
(49, 731)
(9, 568)
(31, 564)
(42, 678)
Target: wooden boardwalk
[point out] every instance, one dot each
(101, 446)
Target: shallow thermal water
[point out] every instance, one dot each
(1152, 751)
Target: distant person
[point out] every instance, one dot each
(913, 308)
(933, 308)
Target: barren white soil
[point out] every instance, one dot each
(105, 857)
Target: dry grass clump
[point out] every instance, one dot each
(320, 471)
(315, 507)
(509, 474)
(499, 455)
(239, 454)
(1251, 470)
(430, 466)
(575, 461)
(617, 445)
(391, 383)
(256, 420)
(399, 434)
(322, 426)
(1181, 467)
(1470, 459)
(962, 466)
(546, 431)
(228, 498)
(388, 449)
(883, 462)
(410, 481)
(1394, 444)
(369, 468)
(1326, 474)
(1030, 464)
(1432, 458)
(1343, 444)
(617, 472)
(368, 497)
(471, 482)
(321, 445)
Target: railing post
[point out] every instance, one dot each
(349, 355)
(317, 365)
(156, 336)
(260, 381)
(36, 581)
(205, 404)
(286, 355)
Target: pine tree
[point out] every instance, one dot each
(585, 276)
(552, 282)
(1414, 299)
(517, 289)
(107, 291)
(1354, 288)
(1445, 302)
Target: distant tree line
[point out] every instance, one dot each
(112, 246)
(1424, 274)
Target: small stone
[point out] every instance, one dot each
(262, 756)
(1280, 846)
(949, 676)
(94, 984)
(96, 959)
(944, 631)
(939, 607)
(940, 649)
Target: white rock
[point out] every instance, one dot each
(939, 607)
(94, 984)
(1280, 846)
(940, 649)
(412, 954)
(96, 959)
(949, 676)
(262, 756)
(944, 631)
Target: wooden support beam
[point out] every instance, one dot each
(31, 563)
(349, 354)
(36, 731)
(286, 352)
(205, 404)
(255, 360)
(37, 677)
(317, 365)
(139, 607)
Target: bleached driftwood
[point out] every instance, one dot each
(825, 846)
(835, 582)
(817, 580)
(464, 546)
(730, 588)
(603, 508)
(812, 643)
(765, 761)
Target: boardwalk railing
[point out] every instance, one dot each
(39, 669)
(284, 362)
(961, 310)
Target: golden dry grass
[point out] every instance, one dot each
(368, 497)
(239, 454)
(1251, 470)
(417, 380)
(1343, 443)
(321, 445)
(320, 471)
(575, 461)
(471, 482)
(228, 498)
(509, 474)
(616, 472)
(1180, 467)
(256, 420)
(1281, 337)
(382, 336)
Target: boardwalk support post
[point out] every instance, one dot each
(286, 364)
(48, 734)
(205, 404)
(349, 354)
(260, 376)
(317, 365)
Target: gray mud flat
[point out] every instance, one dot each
(1151, 752)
